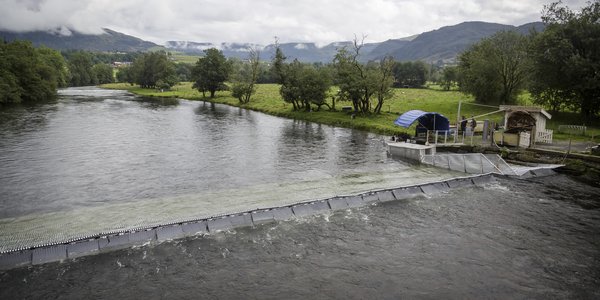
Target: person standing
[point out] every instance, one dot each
(473, 125)
(463, 124)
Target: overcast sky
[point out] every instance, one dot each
(259, 21)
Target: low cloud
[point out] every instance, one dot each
(319, 21)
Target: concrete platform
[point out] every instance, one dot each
(410, 151)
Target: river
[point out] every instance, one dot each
(98, 160)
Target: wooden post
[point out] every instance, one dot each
(533, 137)
(457, 121)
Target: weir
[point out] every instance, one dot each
(103, 242)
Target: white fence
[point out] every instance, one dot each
(522, 139)
(544, 136)
(447, 137)
(572, 129)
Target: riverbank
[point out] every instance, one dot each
(268, 100)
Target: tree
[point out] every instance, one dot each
(305, 85)
(358, 82)
(125, 74)
(351, 78)
(449, 77)
(243, 86)
(384, 79)
(290, 87)
(103, 73)
(278, 64)
(410, 74)
(301, 84)
(495, 70)
(566, 59)
(80, 66)
(150, 69)
(28, 74)
(56, 61)
(211, 72)
(184, 71)
(314, 83)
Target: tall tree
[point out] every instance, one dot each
(314, 82)
(184, 71)
(153, 70)
(495, 70)
(103, 73)
(211, 72)
(567, 59)
(410, 74)
(351, 78)
(449, 77)
(384, 79)
(28, 74)
(290, 86)
(125, 74)
(243, 85)
(278, 64)
(57, 62)
(305, 85)
(80, 67)
(359, 82)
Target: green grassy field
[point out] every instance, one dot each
(268, 100)
(185, 58)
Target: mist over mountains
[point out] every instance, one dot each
(437, 46)
(109, 41)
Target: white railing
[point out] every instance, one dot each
(447, 137)
(572, 129)
(544, 136)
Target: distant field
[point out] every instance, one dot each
(185, 58)
(268, 100)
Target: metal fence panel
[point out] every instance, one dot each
(472, 163)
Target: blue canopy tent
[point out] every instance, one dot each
(426, 120)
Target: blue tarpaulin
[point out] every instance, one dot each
(430, 120)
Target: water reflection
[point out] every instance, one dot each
(97, 159)
(18, 118)
(158, 102)
(211, 110)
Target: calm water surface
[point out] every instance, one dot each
(96, 159)
(100, 160)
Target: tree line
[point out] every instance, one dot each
(307, 86)
(560, 66)
(29, 74)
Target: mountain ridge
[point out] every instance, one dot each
(110, 40)
(439, 46)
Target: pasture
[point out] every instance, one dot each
(268, 100)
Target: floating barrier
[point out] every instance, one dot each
(102, 242)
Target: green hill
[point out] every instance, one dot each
(108, 41)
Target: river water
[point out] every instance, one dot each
(98, 160)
